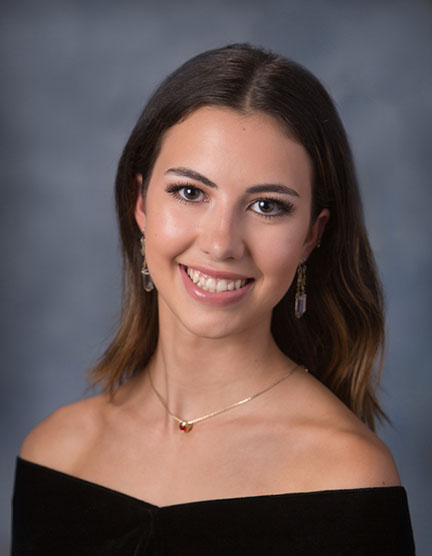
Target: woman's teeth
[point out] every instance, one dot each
(213, 284)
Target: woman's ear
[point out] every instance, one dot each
(315, 233)
(140, 215)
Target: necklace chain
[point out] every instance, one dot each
(185, 425)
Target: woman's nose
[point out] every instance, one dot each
(221, 236)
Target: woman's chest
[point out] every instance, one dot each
(211, 465)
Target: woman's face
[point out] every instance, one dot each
(226, 218)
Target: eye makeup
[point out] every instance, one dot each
(179, 192)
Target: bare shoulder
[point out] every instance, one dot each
(358, 459)
(343, 452)
(60, 439)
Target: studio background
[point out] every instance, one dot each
(75, 75)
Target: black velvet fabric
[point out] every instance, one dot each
(57, 514)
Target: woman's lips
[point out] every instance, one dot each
(219, 274)
(219, 299)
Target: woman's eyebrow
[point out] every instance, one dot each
(261, 188)
(272, 188)
(187, 173)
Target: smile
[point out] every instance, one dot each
(214, 285)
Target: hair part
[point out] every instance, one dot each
(340, 338)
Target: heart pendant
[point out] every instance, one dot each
(185, 426)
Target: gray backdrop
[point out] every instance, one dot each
(75, 75)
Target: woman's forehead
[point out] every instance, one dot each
(226, 142)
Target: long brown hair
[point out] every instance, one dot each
(341, 336)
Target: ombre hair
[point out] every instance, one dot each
(340, 338)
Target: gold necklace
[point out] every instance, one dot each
(186, 425)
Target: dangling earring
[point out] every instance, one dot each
(147, 281)
(300, 297)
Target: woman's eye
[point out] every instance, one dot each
(267, 207)
(190, 193)
(185, 193)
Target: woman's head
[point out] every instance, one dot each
(341, 332)
(230, 198)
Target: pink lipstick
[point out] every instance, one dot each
(218, 299)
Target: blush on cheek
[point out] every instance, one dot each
(284, 274)
(288, 280)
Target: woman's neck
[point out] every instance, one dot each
(199, 375)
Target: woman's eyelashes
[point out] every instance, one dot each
(187, 193)
(272, 208)
(268, 207)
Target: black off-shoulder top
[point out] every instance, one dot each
(61, 515)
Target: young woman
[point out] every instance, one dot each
(238, 403)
